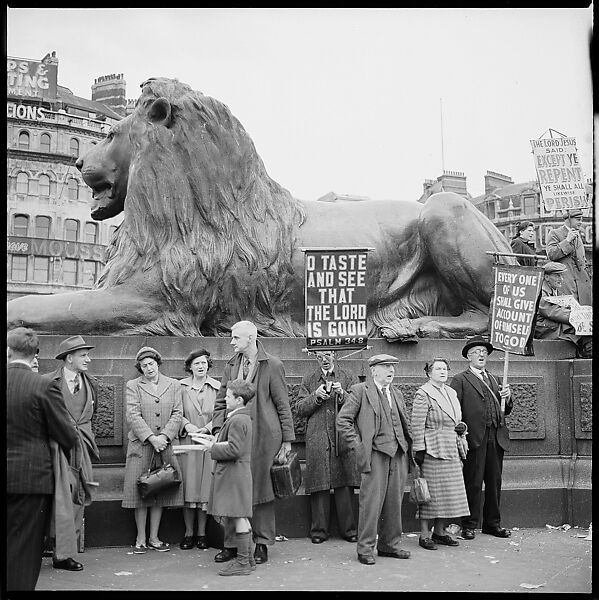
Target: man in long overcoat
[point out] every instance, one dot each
(272, 426)
(321, 394)
(565, 246)
(80, 392)
(35, 416)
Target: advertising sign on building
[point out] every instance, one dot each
(31, 78)
(335, 298)
(513, 309)
(560, 175)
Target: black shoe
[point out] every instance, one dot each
(68, 564)
(398, 554)
(226, 554)
(427, 543)
(444, 540)
(317, 539)
(351, 538)
(202, 542)
(260, 554)
(187, 543)
(467, 533)
(366, 559)
(497, 531)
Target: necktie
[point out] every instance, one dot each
(486, 378)
(246, 367)
(77, 385)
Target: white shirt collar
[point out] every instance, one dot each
(70, 375)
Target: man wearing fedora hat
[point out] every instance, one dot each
(553, 321)
(565, 246)
(80, 391)
(374, 422)
(480, 397)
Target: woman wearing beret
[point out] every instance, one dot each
(154, 415)
(199, 393)
(439, 443)
(523, 243)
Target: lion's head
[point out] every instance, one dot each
(199, 208)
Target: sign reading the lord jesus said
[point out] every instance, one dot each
(559, 173)
(514, 306)
(335, 296)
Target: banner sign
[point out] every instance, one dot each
(31, 78)
(335, 297)
(581, 316)
(517, 291)
(559, 173)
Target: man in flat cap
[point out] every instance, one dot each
(565, 246)
(480, 397)
(373, 421)
(553, 320)
(80, 391)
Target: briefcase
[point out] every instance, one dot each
(286, 478)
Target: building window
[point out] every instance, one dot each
(41, 268)
(23, 140)
(91, 233)
(74, 147)
(18, 270)
(69, 271)
(42, 227)
(503, 204)
(22, 183)
(45, 142)
(491, 209)
(73, 189)
(20, 225)
(90, 272)
(516, 201)
(530, 205)
(71, 230)
(44, 185)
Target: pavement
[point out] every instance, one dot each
(533, 560)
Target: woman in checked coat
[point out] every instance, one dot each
(438, 435)
(154, 414)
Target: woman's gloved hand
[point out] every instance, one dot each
(461, 428)
(419, 457)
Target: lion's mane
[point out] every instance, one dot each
(202, 211)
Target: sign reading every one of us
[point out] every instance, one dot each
(559, 173)
(516, 296)
(335, 296)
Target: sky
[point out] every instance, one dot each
(367, 102)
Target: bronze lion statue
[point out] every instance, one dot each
(208, 239)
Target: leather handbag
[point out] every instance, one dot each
(286, 478)
(157, 479)
(419, 493)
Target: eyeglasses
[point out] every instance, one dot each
(481, 351)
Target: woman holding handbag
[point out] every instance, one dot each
(439, 444)
(154, 414)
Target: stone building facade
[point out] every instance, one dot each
(53, 245)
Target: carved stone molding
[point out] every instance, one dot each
(107, 423)
(583, 409)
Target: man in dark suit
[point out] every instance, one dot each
(481, 398)
(373, 421)
(79, 390)
(35, 414)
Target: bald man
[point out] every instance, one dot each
(272, 426)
